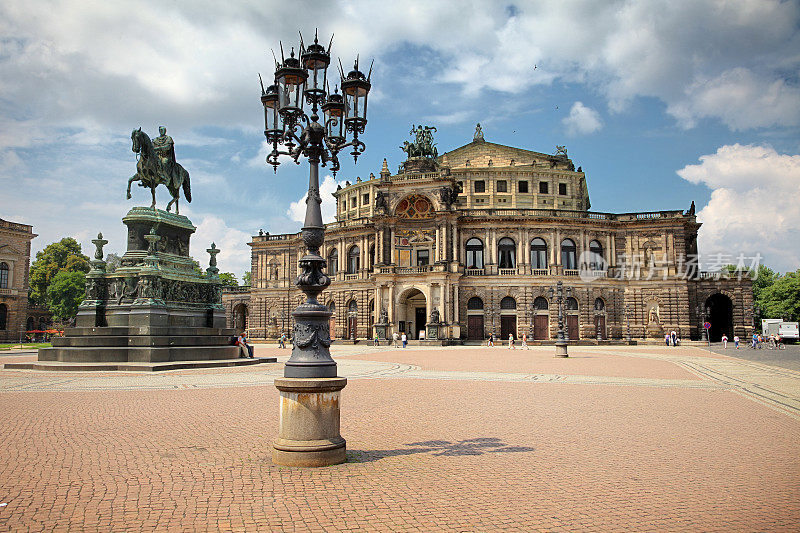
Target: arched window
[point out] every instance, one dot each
(599, 304)
(3, 276)
(3, 316)
(333, 262)
(572, 304)
(352, 307)
(538, 253)
(595, 255)
(540, 304)
(508, 303)
(42, 323)
(30, 324)
(474, 304)
(474, 253)
(353, 260)
(568, 254)
(507, 253)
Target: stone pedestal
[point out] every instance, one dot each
(308, 433)
(381, 331)
(156, 307)
(432, 331)
(561, 349)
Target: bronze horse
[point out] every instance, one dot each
(150, 171)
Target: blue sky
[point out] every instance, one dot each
(660, 102)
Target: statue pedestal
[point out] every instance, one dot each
(381, 331)
(432, 331)
(155, 308)
(308, 434)
(654, 331)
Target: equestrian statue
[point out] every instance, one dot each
(156, 166)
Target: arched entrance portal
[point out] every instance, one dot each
(240, 317)
(412, 314)
(719, 312)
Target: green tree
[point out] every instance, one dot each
(113, 262)
(246, 279)
(65, 293)
(781, 299)
(62, 256)
(228, 279)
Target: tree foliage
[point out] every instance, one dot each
(228, 279)
(62, 256)
(781, 298)
(65, 293)
(113, 262)
(246, 280)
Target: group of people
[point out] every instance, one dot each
(672, 338)
(725, 341)
(401, 337)
(770, 341)
(511, 342)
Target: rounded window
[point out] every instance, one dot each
(599, 304)
(538, 253)
(506, 253)
(540, 304)
(572, 304)
(508, 303)
(568, 254)
(474, 304)
(474, 253)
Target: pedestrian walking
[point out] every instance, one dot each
(724, 341)
(282, 341)
(404, 338)
(375, 342)
(525, 341)
(674, 336)
(755, 341)
(511, 341)
(491, 340)
(736, 341)
(666, 338)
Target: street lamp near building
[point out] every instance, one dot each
(309, 423)
(558, 292)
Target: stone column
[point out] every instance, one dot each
(436, 247)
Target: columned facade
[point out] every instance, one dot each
(478, 236)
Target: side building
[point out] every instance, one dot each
(16, 315)
(474, 241)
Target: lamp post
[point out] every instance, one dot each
(558, 292)
(701, 312)
(309, 424)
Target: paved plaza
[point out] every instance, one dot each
(461, 439)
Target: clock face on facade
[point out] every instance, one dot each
(414, 206)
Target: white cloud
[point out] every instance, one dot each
(582, 120)
(753, 206)
(235, 254)
(297, 210)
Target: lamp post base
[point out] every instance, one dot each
(308, 435)
(561, 349)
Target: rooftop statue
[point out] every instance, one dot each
(478, 133)
(156, 166)
(561, 150)
(423, 145)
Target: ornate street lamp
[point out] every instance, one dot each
(561, 341)
(310, 371)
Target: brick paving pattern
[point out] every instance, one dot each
(437, 440)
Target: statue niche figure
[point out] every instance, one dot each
(156, 166)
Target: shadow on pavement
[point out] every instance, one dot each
(477, 446)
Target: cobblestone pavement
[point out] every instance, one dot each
(786, 358)
(461, 439)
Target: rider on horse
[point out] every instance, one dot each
(164, 147)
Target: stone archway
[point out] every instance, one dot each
(412, 312)
(719, 313)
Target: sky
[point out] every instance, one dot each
(662, 102)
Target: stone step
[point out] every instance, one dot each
(134, 367)
(122, 354)
(139, 341)
(148, 330)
